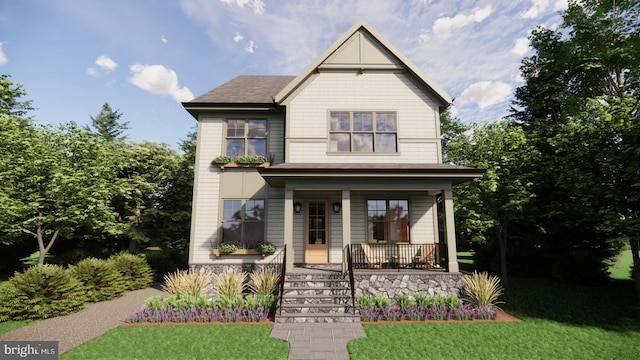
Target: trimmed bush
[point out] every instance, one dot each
(135, 271)
(100, 277)
(184, 282)
(41, 292)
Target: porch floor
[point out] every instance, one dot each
(336, 268)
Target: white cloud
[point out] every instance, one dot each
(256, 5)
(521, 46)
(444, 26)
(163, 39)
(250, 47)
(106, 63)
(3, 57)
(237, 37)
(486, 93)
(159, 80)
(538, 8)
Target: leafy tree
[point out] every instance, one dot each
(10, 94)
(169, 222)
(107, 124)
(52, 182)
(489, 205)
(450, 128)
(593, 55)
(143, 173)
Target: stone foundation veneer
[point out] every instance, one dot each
(408, 283)
(391, 283)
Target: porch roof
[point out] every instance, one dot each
(277, 175)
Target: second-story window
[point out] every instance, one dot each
(246, 137)
(363, 131)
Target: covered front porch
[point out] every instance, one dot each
(390, 216)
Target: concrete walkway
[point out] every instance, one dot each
(318, 340)
(93, 321)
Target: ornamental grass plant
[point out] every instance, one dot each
(481, 289)
(230, 282)
(264, 281)
(183, 282)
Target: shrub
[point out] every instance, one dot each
(231, 282)
(404, 301)
(254, 301)
(100, 278)
(365, 302)
(229, 301)
(186, 301)
(382, 300)
(134, 270)
(453, 301)
(482, 289)
(183, 282)
(41, 292)
(423, 300)
(264, 281)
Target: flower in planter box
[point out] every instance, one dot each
(266, 247)
(227, 247)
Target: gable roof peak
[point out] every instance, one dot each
(371, 51)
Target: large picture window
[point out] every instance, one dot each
(246, 137)
(362, 131)
(243, 222)
(388, 221)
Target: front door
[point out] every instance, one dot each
(317, 232)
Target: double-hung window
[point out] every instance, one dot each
(363, 131)
(243, 222)
(246, 137)
(388, 221)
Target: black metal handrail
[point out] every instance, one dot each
(283, 270)
(399, 255)
(352, 283)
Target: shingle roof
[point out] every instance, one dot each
(245, 89)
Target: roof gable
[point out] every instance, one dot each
(363, 48)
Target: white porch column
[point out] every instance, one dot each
(346, 217)
(450, 230)
(288, 227)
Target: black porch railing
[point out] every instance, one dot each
(396, 256)
(283, 270)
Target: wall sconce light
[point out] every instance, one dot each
(336, 207)
(297, 207)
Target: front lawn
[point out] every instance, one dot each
(183, 342)
(12, 325)
(560, 322)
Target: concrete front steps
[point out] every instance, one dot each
(318, 297)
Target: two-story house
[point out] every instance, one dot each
(355, 158)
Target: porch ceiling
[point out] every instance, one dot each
(277, 175)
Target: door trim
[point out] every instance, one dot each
(316, 253)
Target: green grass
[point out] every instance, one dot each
(465, 260)
(183, 342)
(560, 322)
(621, 268)
(12, 325)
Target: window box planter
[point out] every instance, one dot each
(217, 252)
(238, 165)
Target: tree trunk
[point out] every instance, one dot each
(634, 242)
(44, 250)
(502, 243)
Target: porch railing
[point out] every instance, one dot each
(349, 267)
(397, 256)
(283, 270)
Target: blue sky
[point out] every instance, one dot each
(144, 57)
